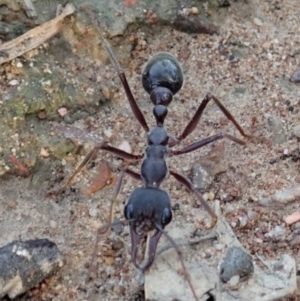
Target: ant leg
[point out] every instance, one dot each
(118, 185)
(104, 146)
(178, 251)
(188, 184)
(132, 102)
(195, 120)
(104, 229)
(206, 141)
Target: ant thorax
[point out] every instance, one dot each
(154, 169)
(158, 136)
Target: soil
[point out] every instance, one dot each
(249, 66)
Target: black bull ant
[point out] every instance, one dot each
(149, 207)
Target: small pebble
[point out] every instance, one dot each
(12, 204)
(125, 146)
(19, 65)
(44, 153)
(117, 245)
(93, 212)
(252, 215)
(108, 133)
(293, 218)
(296, 131)
(14, 82)
(47, 69)
(109, 260)
(228, 208)
(236, 262)
(41, 115)
(62, 112)
(219, 246)
(295, 241)
(243, 220)
(53, 224)
(234, 280)
(276, 232)
(106, 92)
(277, 129)
(231, 57)
(117, 227)
(211, 196)
(195, 10)
(258, 22)
(296, 77)
(251, 281)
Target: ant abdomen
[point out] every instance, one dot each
(163, 74)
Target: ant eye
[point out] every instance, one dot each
(128, 211)
(166, 217)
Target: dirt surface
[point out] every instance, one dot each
(248, 67)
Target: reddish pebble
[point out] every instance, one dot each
(293, 218)
(62, 112)
(42, 115)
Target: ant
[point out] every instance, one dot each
(149, 206)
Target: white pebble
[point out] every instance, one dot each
(53, 224)
(93, 212)
(219, 246)
(234, 280)
(243, 220)
(233, 224)
(276, 232)
(270, 56)
(19, 65)
(125, 146)
(108, 133)
(258, 22)
(14, 82)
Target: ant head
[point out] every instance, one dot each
(147, 209)
(162, 71)
(148, 206)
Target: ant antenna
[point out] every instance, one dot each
(179, 253)
(106, 45)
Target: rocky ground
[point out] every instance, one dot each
(252, 65)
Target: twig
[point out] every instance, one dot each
(184, 242)
(34, 37)
(30, 10)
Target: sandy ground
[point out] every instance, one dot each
(248, 66)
